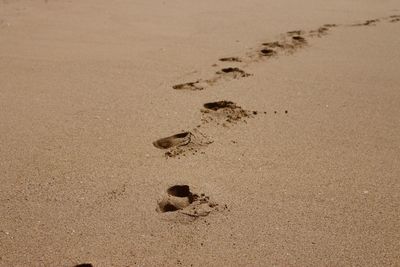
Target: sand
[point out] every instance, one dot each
(286, 152)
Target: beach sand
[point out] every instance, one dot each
(298, 166)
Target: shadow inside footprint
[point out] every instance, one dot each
(188, 86)
(234, 72)
(230, 59)
(84, 265)
(299, 39)
(219, 105)
(267, 52)
(181, 191)
(180, 139)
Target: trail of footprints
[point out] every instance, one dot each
(227, 112)
(179, 198)
(288, 43)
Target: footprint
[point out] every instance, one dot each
(274, 45)
(179, 198)
(289, 42)
(219, 105)
(370, 22)
(297, 32)
(176, 140)
(230, 59)
(224, 112)
(267, 52)
(297, 37)
(299, 40)
(189, 86)
(321, 31)
(296, 42)
(234, 73)
(183, 143)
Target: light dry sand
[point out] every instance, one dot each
(86, 87)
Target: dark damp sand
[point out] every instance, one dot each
(86, 87)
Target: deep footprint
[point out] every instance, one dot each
(183, 144)
(180, 198)
(220, 104)
(268, 52)
(224, 112)
(176, 140)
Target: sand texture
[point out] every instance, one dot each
(199, 133)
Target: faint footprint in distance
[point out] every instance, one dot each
(370, 22)
(394, 18)
(234, 73)
(230, 59)
(194, 86)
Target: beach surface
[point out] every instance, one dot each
(200, 133)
